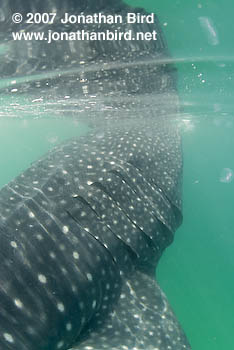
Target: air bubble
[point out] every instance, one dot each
(226, 175)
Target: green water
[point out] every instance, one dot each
(27, 139)
(197, 270)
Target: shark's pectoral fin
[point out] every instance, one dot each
(141, 320)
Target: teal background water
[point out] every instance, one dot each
(197, 270)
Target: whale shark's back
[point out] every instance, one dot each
(82, 230)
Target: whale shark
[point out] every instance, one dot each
(83, 228)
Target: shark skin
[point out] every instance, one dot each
(82, 229)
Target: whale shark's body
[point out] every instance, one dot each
(82, 230)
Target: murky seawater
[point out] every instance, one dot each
(196, 271)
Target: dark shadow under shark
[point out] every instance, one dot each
(82, 230)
